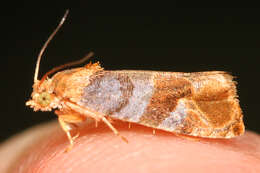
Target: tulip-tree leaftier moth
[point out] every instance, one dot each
(202, 104)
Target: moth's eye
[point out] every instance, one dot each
(44, 99)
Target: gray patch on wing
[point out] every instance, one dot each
(176, 117)
(137, 103)
(103, 94)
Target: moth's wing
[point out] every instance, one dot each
(199, 104)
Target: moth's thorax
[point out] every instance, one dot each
(69, 84)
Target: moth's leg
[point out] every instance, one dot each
(66, 120)
(96, 123)
(113, 129)
(65, 126)
(95, 115)
(84, 111)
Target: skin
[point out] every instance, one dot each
(41, 149)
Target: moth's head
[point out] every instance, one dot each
(42, 97)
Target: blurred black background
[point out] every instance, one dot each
(177, 39)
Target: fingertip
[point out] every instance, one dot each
(99, 150)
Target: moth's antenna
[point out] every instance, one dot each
(82, 60)
(46, 44)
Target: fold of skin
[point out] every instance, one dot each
(41, 149)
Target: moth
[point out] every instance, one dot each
(202, 104)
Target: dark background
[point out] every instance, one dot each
(177, 39)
